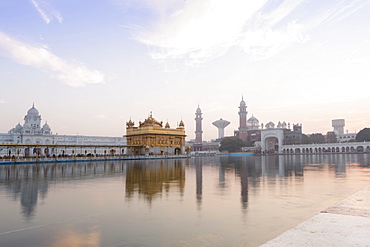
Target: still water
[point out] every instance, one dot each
(209, 201)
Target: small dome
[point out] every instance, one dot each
(242, 103)
(130, 123)
(33, 111)
(27, 126)
(18, 127)
(181, 124)
(167, 125)
(270, 125)
(253, 120)
(198, 110)
(46, 127)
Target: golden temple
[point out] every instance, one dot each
(150, 137)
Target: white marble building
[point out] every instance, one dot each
(33, 132)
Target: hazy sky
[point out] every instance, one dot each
(91, 65)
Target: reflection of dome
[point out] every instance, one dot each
(33, 111)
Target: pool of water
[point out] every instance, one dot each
(202, 201)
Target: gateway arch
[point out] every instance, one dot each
(272, 140)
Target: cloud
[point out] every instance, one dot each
(2, 101)
(73, 73)
(202, 30)
(46, 11)
(338, 12)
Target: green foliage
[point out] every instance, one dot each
(306, 139)
(331, 137)
(231, 144)
(317, 138)
(363, 135)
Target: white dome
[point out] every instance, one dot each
(270, 125)
(253, 120)
(46, 127)
(199, 110)
(33, 111)
(18, 127)
(27, 126)
(242, 103)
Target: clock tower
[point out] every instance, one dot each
(33, 119)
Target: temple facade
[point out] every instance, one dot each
(152, 138)
(34, 132)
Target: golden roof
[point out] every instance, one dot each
(150, 121)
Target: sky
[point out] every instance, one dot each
(90, 66)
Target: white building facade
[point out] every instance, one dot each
(31, 132)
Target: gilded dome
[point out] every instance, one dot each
(181, 124)
(150, 121)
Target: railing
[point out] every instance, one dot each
(15, 160)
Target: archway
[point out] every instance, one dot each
(272, 140)
(177, 151)
(271, 144)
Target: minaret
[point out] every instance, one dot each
(198, 125)
(243, 120)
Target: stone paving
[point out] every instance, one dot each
(346, 223)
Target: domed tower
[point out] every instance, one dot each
(253, 123)
(46, 129)
(243, 120)
(33, 119)
(198, 125)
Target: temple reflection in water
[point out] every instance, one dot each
(149, 180)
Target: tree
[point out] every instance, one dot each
(306, 139)
(331, 137)
(231, 144)
(363, 135)
(317, 138)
